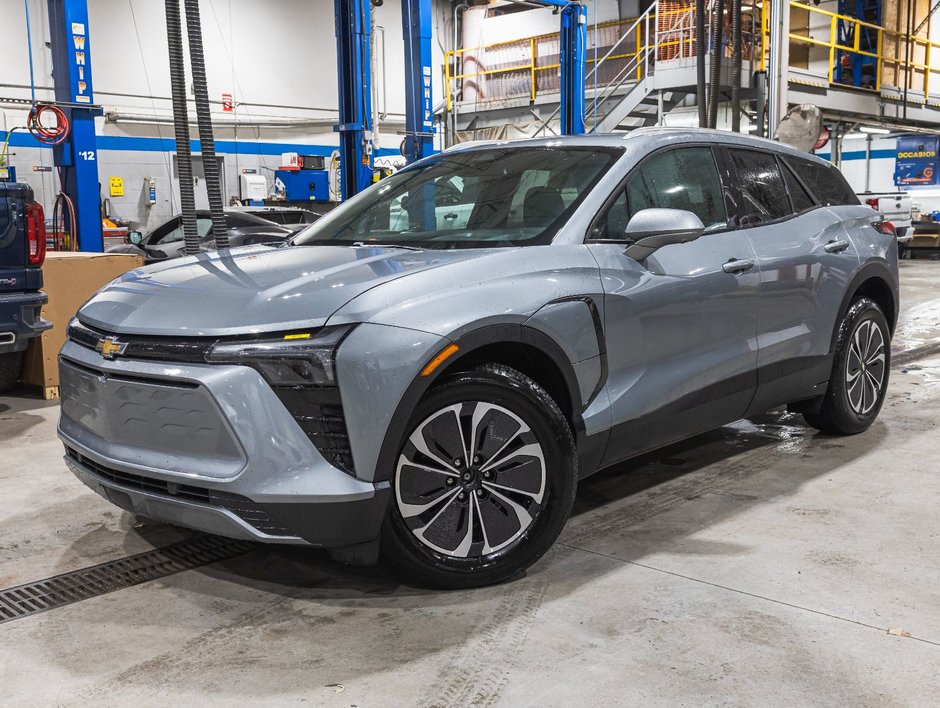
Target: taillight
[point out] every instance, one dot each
(36, 233)
(885, 227)
(873, 203)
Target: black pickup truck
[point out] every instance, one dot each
(22, 252)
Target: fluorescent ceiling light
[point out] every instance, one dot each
(874, 131)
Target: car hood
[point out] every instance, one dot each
(251, 289)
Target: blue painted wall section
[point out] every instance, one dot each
(419, 113)
(77, 157)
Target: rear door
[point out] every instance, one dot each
(806, 262)
(13, 254)
(681, 327)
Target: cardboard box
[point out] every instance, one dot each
(69, 279)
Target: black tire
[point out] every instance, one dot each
(455, 512)
(860, 372)
(11, 365)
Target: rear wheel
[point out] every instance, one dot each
(484, 481)
(11, 364)
(859, 373)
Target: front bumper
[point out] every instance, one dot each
(208, 447)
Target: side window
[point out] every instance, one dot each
(685, 178)
(825, 181)
(762, 188)
(800, 198)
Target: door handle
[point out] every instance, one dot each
(737, 266)
(836, 246)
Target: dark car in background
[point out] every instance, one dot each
(22, 252)
(246, 226)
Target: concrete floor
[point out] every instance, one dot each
(762, 564)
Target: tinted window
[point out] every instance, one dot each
(173, 231)
(686, 178)
(800, 198)
(762, 188)
(826, 182)
(474, 198)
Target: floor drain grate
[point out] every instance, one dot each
(41, 595)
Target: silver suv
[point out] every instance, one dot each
(427, 372)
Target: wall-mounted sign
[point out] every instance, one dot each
(42, 168)
(117, 186)
(916, 162)
(228, 102)
(249, 171)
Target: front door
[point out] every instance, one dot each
(681, 327)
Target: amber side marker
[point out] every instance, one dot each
(445, 354)
(305, 335)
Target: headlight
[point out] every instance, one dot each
(301, 359)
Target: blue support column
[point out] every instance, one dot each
(419, 113)
(354, 74)
(78, 155)
(573, 54)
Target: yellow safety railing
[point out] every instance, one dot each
(903, 69)
(531, 47)
(669, 31)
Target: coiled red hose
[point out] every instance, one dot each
(44, 134)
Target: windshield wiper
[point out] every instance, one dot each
(363, 244)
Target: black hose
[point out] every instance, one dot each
(204, 120)
(736, 66)
(700, 31)
(717, 51)
(184, 160)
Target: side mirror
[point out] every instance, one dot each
(651, 229)
(134, 237)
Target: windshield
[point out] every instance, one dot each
(512, 196)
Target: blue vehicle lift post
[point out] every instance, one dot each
(354, 64)
(572, 57)
(419, 113)
(573, 40)
(77, 157)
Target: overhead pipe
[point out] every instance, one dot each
(736, 66)
(700, 33)
(184, 161)
(204, 119)
(147, 118)
(717, 51)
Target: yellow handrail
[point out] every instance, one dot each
(855, 25)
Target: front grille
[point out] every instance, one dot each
(317, 409)
(245, 509)
(188, 350)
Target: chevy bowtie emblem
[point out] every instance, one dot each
(110, 347)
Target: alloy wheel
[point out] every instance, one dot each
(865, 367)
(471, 480)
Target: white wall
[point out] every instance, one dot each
(277, 57)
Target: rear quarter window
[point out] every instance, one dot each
(825, 181)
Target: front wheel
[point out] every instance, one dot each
(859, 377)
(484, 481)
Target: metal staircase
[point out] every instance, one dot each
(643, 74)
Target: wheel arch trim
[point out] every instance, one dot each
(873, 270)
(469, 343)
